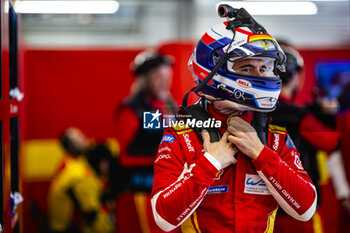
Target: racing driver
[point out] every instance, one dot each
(237, 182)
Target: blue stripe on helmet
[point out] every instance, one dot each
(216, 32)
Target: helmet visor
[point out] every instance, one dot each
(259, 48)
(256, 66)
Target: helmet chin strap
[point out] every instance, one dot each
(261, 126)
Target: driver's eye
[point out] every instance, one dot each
(262, 69)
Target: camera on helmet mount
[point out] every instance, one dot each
(226, 11)
(238, 17)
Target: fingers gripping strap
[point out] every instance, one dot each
(197, 112)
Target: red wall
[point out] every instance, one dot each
(74, 88)
(82, 88)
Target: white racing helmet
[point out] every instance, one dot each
(254, 92)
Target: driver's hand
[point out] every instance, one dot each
(223, 151)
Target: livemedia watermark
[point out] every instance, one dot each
(155, 120)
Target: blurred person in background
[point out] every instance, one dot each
(339, 161)
(311, 128)
(149, 92)
(102, 161)
(74, 200)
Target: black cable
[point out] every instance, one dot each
(218, 65)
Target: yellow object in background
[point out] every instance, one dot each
(321, 158)
(114, 146)
(76, 187)
(41, 159)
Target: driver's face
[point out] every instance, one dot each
(254, 67)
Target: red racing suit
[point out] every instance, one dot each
(191, 190)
